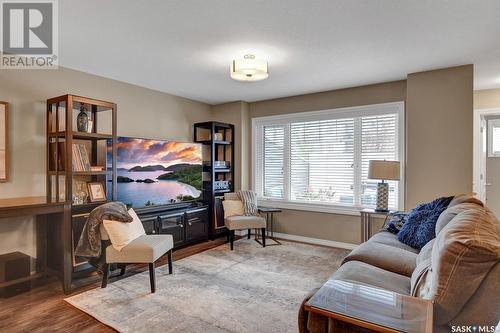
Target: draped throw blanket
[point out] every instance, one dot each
(89, 244)
(249, 199)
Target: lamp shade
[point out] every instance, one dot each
(384, 170)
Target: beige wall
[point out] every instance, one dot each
(439, 115)
(487, 99)
(236, 113)
(371, 94)
(141, 112)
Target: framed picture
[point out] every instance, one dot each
(4, 122)
(96, 192)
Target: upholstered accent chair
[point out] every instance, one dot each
(242, 222)
(145, 249)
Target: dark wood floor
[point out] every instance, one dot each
(43, 309)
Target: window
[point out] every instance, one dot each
(319, 160)
(494, 138)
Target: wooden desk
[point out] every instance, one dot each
(371, 308)
(50, 220)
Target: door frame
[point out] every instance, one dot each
(479, 159)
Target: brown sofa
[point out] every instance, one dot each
(466, 248)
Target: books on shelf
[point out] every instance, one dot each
(80, 158)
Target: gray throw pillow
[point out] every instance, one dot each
(249, 199)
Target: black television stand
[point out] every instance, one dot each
(187, 222)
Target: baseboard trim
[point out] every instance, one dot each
(308, 240)
(316, 241)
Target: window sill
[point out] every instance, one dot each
(310, 207)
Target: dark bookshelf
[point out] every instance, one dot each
(217, 141)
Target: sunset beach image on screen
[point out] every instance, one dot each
(156, 172)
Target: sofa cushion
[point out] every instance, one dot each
(449, 214)
(426, 252)
(465, 250)
(384, 256)
(396, 222)
(420, 225)
(360, 272)
(385, 237)
(465, 198)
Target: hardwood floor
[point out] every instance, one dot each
(43, 309)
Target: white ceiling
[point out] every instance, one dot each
(184, 47)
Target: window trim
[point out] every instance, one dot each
(345, 112)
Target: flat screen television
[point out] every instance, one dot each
(156, 172)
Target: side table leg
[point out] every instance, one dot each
(363, 217)
(272, 230)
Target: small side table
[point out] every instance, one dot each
(367, 216)
(270, 223)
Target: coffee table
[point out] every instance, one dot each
(371, 308)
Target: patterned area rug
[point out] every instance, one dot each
(250, 289)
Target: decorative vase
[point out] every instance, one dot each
(82, 120)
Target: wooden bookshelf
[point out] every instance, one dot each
(83, 135)
(64, 179)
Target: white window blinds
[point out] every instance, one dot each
(322, 157)
(273, 172)
(379, 141)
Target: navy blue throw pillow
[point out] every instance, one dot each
(396, 222)
(420, 225)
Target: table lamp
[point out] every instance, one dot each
(383, 170)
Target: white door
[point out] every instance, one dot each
(492, 163)
(482, 161)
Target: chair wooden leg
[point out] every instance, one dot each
(152, 278)
(249, 232)
(228, 236)
(231, 238)
(169, 255)
(105, 276)
(123, 269)
(263, 237)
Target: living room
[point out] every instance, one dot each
(307, 128)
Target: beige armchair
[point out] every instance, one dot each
(145, 249)
(242, 222)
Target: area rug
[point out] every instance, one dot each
(250, 289)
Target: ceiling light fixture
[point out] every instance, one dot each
(249, 69)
